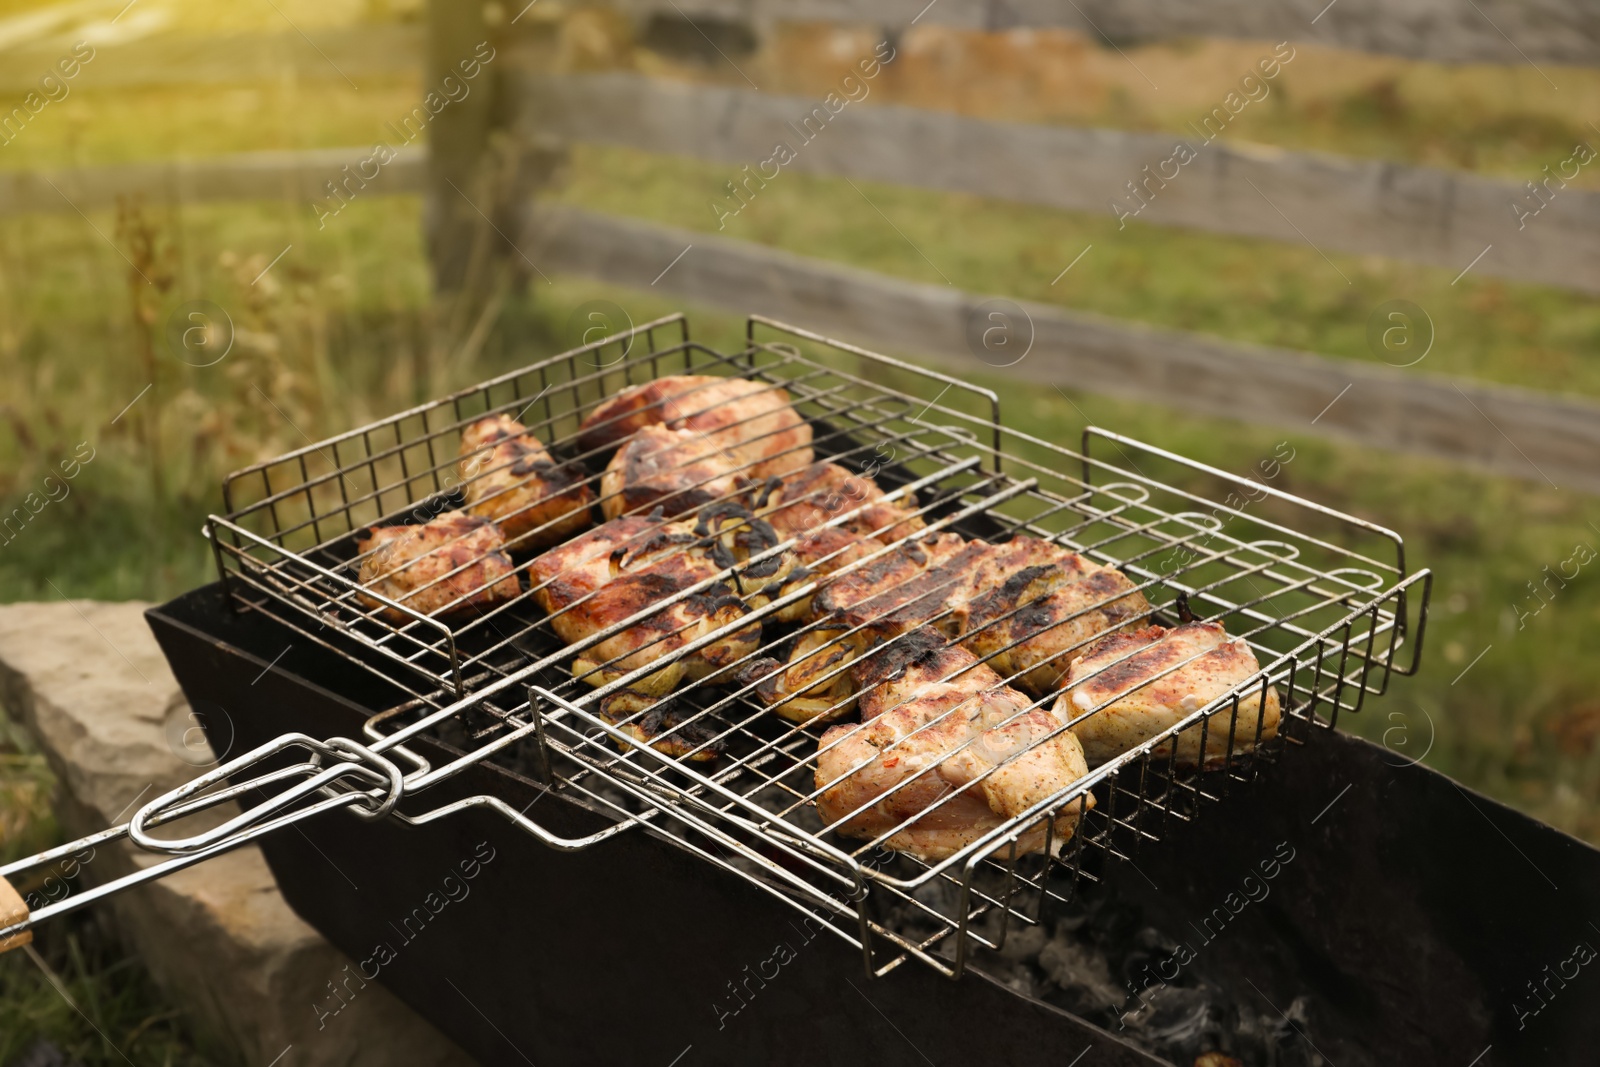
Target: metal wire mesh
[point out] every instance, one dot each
(1323, 600)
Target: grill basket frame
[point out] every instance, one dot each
(1326, 635)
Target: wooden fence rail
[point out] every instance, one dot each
(295, 176)
(1494, 31)
(1511, 431)
(1364, 207)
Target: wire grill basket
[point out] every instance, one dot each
(1323, 599)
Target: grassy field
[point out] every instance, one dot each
(1523, 725)
(1485, 118)
(1524, 730)
(343, 329)
(1243, 289)
(114, 1008)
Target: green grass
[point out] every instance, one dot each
(122, 1013)
(103, 128)
(116, 1015)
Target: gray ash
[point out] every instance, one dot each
(1096, 957)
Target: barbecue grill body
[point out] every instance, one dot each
(1426, 922)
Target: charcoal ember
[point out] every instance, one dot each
(1102, 959)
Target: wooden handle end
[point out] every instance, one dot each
(13, 910)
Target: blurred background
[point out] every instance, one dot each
(229, 229)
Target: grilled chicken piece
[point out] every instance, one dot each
(937, 720)
(729, 537)
(621, 568)
(924, 599)
(450, 564)
(508, 476)
(942, 593)
(1031, 626)
(752, 422)
(925, 584)
(814, 684)
(1027, 605)
(1122, 670)
(736, 538)
(564, 575)
(801, 502)
(819, 555)
(663, 725)
(832, 549)
(664, 632)
(676, 470)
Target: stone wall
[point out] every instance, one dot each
(89, 684)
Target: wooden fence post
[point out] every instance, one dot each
(457, 203)
(483, 168)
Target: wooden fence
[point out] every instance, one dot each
(1418, 214)
(1495, 31)
(293, 176)
(1364, 207)
(1555, 440)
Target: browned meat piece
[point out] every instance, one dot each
(1031, 626)
(938, 721)
(663, 632)
(883, 596)
(903, 604)
(940, 595)
(663, 725)
(1027, 603)
(1202, 662)
(800, 503)
(813, 685)
(886, 597)
(728, 537)
(752, 422)
(627, 565)
(676, 470)
(450, 564)
(819, 555)
(508, 476)
(832, 549)
(569, 572)
(736, 538)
